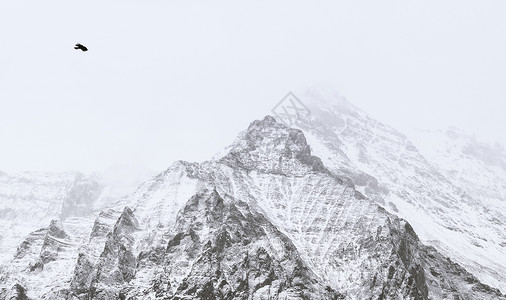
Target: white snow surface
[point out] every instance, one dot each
(450, 187)
(452, 193)
(29, 201)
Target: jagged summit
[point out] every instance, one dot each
(267, 120)
(267, 220)
(448, 187)
(270, 146)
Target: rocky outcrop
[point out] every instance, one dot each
(55, 240)
(117, 264)
(236, 253)
(442, 184)
(29, 201)
(455, 281)
(261, 150)
(268, 220)
(220, 249)
(17, 292)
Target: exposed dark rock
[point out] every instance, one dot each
(267, 221)
(454, 280)
(17, 292)
(53, 242)
(28, 243)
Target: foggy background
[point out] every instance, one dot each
(169, 80)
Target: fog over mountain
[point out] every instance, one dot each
(191, 73)
(252, 150)
(326, 203)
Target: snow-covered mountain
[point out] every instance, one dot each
(31, 200)
(452, 191)
(266, 220)
(478, 168)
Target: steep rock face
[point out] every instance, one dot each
(279, 151)
(29, 201)
(388, 168)
(53, 242)
(154, 205)
(38, 257)
(322, 213)
(267, 220)
(84, 270)
(262, 218)
(454, 281)
(17, 292)
(44, 260)
(117, 264)
(247, 257)
(337, 231)
(219, 250)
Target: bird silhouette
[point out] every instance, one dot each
(80, 47)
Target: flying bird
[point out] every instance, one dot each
(80, 47)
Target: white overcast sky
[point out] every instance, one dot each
(168, 80)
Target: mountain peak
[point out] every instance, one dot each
(267, 220)
(267, 120)
(272, 147)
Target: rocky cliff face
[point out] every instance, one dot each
(267, 220)
(450, 190)
(30, 201)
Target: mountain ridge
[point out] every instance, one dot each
(307, 211)
(187, 231)
(388, 168)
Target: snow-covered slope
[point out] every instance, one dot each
(267, 220)
(44, 219)
(452, 195)
(478, 168)
(30, 201)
